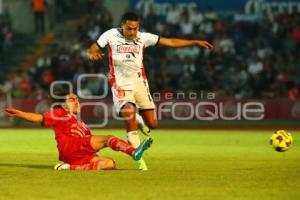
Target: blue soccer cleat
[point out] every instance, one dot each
(138, 152)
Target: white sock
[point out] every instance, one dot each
(133, 138)
(139, 119)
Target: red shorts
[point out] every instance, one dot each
(76, 150)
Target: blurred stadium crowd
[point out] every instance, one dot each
(6, 33)
(256, 55)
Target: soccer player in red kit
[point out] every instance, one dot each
(128, 80)
(76, 145)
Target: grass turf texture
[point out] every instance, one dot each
(182, 165)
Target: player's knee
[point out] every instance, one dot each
(108, 164)
(128, 110)
(112, 164)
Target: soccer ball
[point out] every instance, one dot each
(281, 140)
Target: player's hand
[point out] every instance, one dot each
(205, 44)
(11, 112)
(94, 53)
(94, 56)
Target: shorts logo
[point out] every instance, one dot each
(119, 92)
(128, 48)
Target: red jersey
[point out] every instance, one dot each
(71, 135)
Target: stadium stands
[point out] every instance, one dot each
(255, 55)
(6, 34)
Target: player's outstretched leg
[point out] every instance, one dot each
(107, 163)
(136, 153)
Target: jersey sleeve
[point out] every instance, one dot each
(103, 39)
(51, 118)
(150, 39)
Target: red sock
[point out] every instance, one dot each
(120, 145)
(87, 166)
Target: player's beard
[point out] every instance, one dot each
(76, 110)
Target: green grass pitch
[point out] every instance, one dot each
(185, 164)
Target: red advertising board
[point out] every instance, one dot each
(187, 109)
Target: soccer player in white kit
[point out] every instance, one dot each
(128, 80)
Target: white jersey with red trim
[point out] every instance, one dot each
(125, 56)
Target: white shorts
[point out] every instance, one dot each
(138, 94)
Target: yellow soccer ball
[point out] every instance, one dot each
(281, 140)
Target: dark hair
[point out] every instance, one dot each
(129, 16)
(61, 93)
